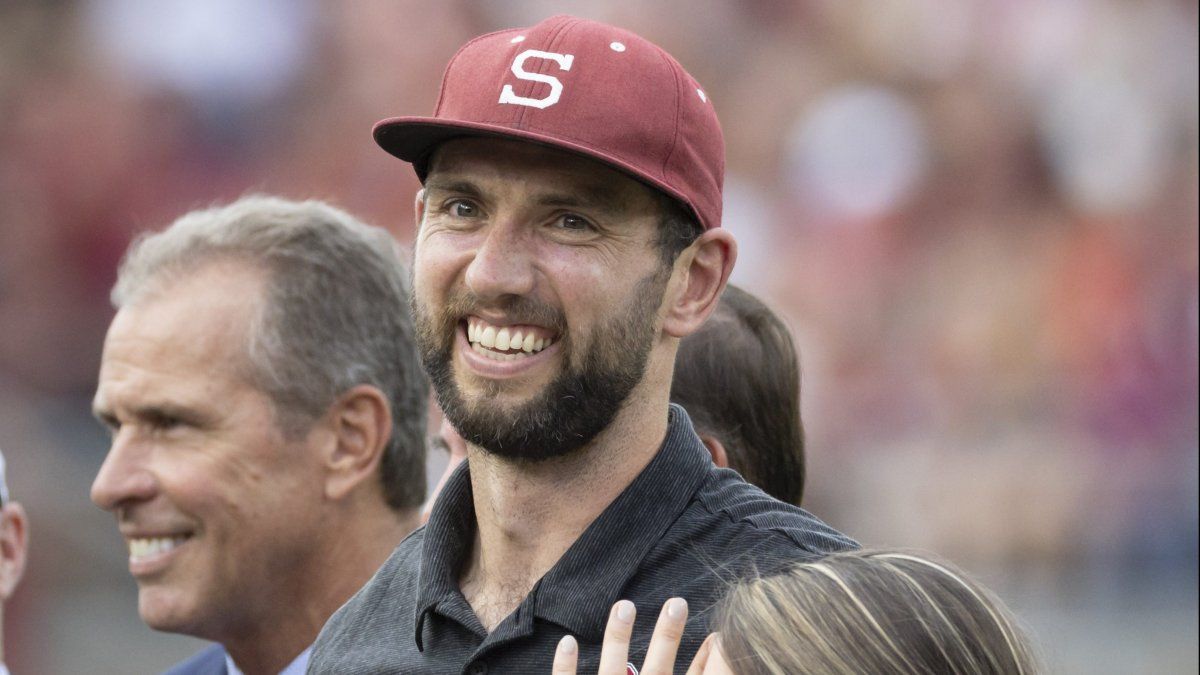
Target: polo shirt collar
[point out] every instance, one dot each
(576, 593)
(449, 536)
(579, 591)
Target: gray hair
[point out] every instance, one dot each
(335, 313)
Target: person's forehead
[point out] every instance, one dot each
(537, 167)
(205, 298)
(199, 323)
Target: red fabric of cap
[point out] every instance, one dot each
(585, 87)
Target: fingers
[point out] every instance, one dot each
(614, 653)
(566, 657)
(660, 658)
(701, 658)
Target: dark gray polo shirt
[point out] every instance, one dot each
(682, 528)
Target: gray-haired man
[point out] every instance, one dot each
(267, 412)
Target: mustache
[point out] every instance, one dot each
(519, 309)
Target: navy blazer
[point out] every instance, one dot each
(209, 661)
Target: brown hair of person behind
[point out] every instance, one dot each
(870, 612)
(738, 377)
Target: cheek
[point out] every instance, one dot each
(209, 490)
(192, 476)
(235, 480)
(439, 259)
(426, 273)
(592, 295)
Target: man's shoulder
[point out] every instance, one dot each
(729, 530)
(208, 661)
(735, 510)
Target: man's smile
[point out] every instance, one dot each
(507, 343)
(496, 351)
(151, 553)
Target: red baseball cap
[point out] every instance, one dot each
(584, 87)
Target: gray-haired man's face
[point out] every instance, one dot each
(216, 506)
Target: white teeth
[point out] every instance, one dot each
(481, 336)
(146, 547)
(488, 339)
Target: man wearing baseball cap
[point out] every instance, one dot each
(569, 236)
(13, 537)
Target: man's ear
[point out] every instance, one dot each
(361, 421)
(419, 208)
(13, 546)
(717, 449)
(699, 277)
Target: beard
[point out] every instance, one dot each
(579, 403)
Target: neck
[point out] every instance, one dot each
(529, 514)
(359, 544)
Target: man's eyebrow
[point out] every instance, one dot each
(594, 196)
(454, 186)
(590, 196)
(152, 412)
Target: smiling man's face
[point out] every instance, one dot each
(219, 510)
(538, 285)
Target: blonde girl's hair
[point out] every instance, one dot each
(870, 612)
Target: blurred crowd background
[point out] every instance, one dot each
(979, 217)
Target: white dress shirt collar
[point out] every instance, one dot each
(297, 667)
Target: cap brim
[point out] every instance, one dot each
(413, 139)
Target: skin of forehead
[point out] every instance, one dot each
(188, 322)
(601, 184)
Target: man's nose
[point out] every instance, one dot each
(124, 477)
(503, 264)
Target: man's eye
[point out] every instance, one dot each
(463, 209)
(164, 425)
(160, 423)
(110, 422)
(571, 221)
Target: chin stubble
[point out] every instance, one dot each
(576, 406)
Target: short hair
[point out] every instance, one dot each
(334, 314)
(678, 228)
(738, 377)
(870, 612)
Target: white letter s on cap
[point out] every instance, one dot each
(518, 68)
